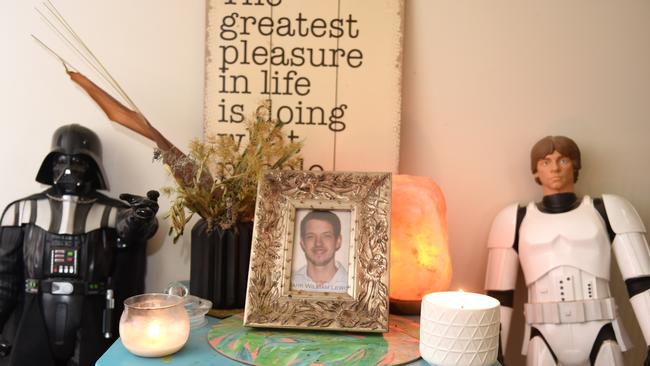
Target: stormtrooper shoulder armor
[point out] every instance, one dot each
(504, 227)
(622, 216)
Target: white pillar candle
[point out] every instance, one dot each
(459, 328)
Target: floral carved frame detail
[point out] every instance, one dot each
(270, 301)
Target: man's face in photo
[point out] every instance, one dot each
(319, 242)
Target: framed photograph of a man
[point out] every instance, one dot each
(321, 249)
(320, 252)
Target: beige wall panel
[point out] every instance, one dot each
(306, 116)
(232, 77)
(375, 116)
(344, 102)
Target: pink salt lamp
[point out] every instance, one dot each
(419, 254)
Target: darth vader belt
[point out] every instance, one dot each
(63, 287)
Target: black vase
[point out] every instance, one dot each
(219, 264)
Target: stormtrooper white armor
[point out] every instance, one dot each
(565, 256)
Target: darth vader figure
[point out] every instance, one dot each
(69, 256)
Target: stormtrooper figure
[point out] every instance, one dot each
(564, 245)
(69, 256)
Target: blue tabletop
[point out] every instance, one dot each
(197, 351)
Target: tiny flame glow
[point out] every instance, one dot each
(153, 330)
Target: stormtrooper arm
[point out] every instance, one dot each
(633, 257)
(503, 264)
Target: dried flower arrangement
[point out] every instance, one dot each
(216, 181)
(235, 172)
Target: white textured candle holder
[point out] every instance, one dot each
(459, 328)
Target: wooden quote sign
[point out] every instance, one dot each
(328, 70)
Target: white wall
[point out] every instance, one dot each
(483, 81)
(155, 49)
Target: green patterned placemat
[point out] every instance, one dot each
(263, 347)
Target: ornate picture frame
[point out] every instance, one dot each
(288, 203)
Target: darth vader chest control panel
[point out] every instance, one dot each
(64, 261)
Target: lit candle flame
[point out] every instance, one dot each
(153, 330)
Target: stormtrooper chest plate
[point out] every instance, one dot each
(577, 239)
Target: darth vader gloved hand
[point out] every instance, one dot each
(138, 221)
(144, 208)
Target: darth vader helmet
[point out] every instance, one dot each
(75, 160)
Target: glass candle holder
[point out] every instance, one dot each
(154, 325)
(196, 308)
